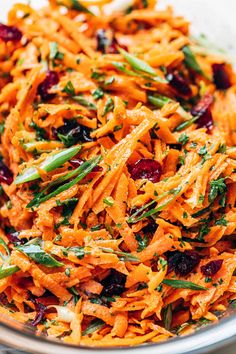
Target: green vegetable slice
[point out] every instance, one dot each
(51, 162)
(190, 60)
(33, 249)
(93, 326)
(7, 271)
(182, 284)
(80, 173)
(140, 65)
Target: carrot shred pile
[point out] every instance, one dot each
(118, 174)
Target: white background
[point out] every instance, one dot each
(215, 18)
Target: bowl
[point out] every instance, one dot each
(215, 19)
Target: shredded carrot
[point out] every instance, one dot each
(117, 173)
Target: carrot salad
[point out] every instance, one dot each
(117, 171)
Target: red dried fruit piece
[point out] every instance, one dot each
(177, 82)
(114, 45)
(5, 174)
(221, 76)
(40, 312)
(212, 267)
(113, 284)
(203, 110)
(102, 40)
(13, 238)
(146, 169)
(50, 80)
(9, 33)
(183, 263)
(107, 46)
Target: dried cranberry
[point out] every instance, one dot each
(102, 40)
(3, 300)
(221, 77)
(107, 46)
(212, 267)
(76, 162)
(71, 133)
(150, 228)
(146, 169)
(9, 33)
(40, 312)
(50, 80)
(5, 174)
(13, 238)
(114, 283)
(183, 263)
(178, 83)
(203, 110)
(114, 45)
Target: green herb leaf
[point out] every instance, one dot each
(51, 162)
(79, 172)
(69, 89)
(35, 251)
(190, 61)
(41, 133)
(54, 51)
(109, 106)
(2, 127)
(83, 102)
(93, 327)
(142, 242)
(222, 221)
(53, 46)
(182, 284)
(217, 186)
(183, 139)
(98, 93)
(76, 5)
(78, 251)
(167, 317)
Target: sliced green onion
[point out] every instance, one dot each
(167, 316)
(93, 326)
(182, 284)
(140, 65)
(8, 271)
(35, 251)
(186, 124)
(51, 162)
(81, 172)
(132, 218)
(126, 257)
(83, 102)
(75, 5)
(121, 67)
(160, 101)
(190, 60)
